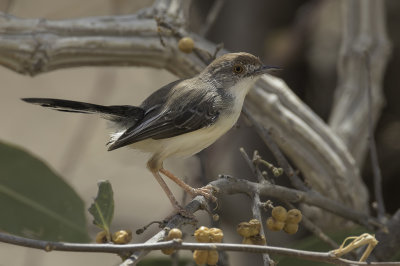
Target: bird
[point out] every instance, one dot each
(181, 118)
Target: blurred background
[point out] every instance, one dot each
(301, 36)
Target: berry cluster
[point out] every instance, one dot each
(251, 232)
(207, 235)
(286, 220)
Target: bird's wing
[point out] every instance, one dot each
(185, 117)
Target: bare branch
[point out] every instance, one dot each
(175, 222)
(372, 146)
(256, 203)
(147, 247)
(33, 46)
(364, 31)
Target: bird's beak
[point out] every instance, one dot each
(267, 69)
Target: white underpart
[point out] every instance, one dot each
(193, 142)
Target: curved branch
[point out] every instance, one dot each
(363, 34)
(321, 156)
(123, 249)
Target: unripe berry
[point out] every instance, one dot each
(291, 228)
(168, 251)
(122, 237)
(101, 237)
(274, 225)
(200, 256)
(186, 45)
(279, 213)
(247, 229)
(248, 241)
(294, 216)
(212, 257)
(216, 235)
(202, 234)
(174, 233)
(258, 240)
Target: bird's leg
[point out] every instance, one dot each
(167, 191)
(204, 191)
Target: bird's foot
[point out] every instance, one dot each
(206, 191)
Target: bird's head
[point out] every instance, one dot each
(230, 69)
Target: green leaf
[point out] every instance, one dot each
(37, 203)
(102, 208)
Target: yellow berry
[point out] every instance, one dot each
(294, 216)
(215, 217)
(168, 251)
(274, 225)
(202, 234)
(186, 45)
(212, 257)
(122, 237)
(256, 225)
(101, 237)
(279, 213)
(174, 233)
(216, 235)
(291, 228)
(258, 240)
(200, 256)
(247, 229)
(248, 241)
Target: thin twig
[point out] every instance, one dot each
(372, 146)
(230, 185)
(282, 161)
(121, 249)
(255, 208)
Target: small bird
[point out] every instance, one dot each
(181, 118)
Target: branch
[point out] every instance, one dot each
(123, 249)
(372, 146)
(363, 32)
(325, 162)
(33, 46)
(256, 203)
(175, 222)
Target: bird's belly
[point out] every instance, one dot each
(189, 143)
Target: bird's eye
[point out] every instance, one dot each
(238, 69)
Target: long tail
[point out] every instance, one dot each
(116, 113)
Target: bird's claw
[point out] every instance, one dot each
(206, 191)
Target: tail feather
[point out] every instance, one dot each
(116, 113)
